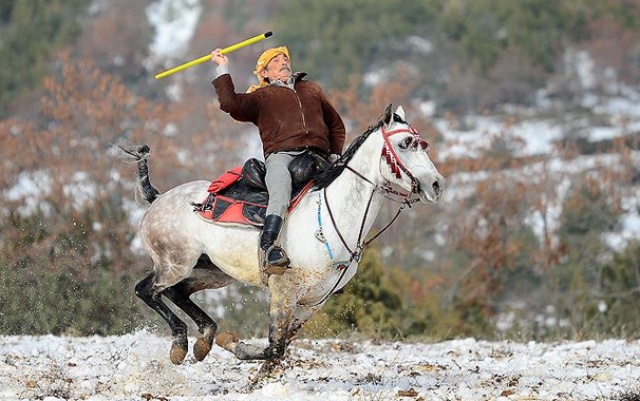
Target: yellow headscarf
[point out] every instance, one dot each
(263, 60)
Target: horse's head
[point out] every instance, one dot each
(405, 158)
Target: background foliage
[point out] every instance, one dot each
(75, 80)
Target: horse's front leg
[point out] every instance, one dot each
(299, 316)
(281, 311)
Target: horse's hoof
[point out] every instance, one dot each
(201, 349)
(177, 354)
(225, 340)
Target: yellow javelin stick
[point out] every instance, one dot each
(206, 58)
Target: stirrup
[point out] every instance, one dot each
(276, 261)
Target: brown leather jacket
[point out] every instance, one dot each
(286, 119)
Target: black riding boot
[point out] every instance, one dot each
(274, 255)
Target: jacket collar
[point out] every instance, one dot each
(295, 77)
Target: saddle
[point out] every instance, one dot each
(239, 196)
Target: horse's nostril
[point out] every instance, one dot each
(436, 187)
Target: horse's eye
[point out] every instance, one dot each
(405, 143)
(424, 145)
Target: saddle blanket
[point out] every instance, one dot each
(231, 200)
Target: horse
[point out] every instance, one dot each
(323, 237)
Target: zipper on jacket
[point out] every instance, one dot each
(304, 124)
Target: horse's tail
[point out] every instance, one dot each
(143, 184)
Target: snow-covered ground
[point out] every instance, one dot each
(137, 367)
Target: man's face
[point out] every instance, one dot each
(278, 68)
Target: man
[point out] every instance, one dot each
(292, 115)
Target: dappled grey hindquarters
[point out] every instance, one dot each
(131, 367)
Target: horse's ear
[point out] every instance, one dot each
(387, 118)
(400, 112)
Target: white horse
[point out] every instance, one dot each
(323, 237)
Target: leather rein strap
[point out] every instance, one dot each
(394, 162)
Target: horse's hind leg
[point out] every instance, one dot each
(205, 276)
(146, 291)
(179, 295)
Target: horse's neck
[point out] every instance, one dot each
(353, 200)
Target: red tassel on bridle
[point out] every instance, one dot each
(392, 158)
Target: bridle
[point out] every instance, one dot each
(396, 165)
(392, 158)
(397, 168)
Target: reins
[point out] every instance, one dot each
(356, 254)
(394, 161)
(361, 245)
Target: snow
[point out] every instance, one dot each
(533, 137)
(136, 366)
(421, 44)
(175, 22)
(29, 186)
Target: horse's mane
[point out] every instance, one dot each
(327, 176)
